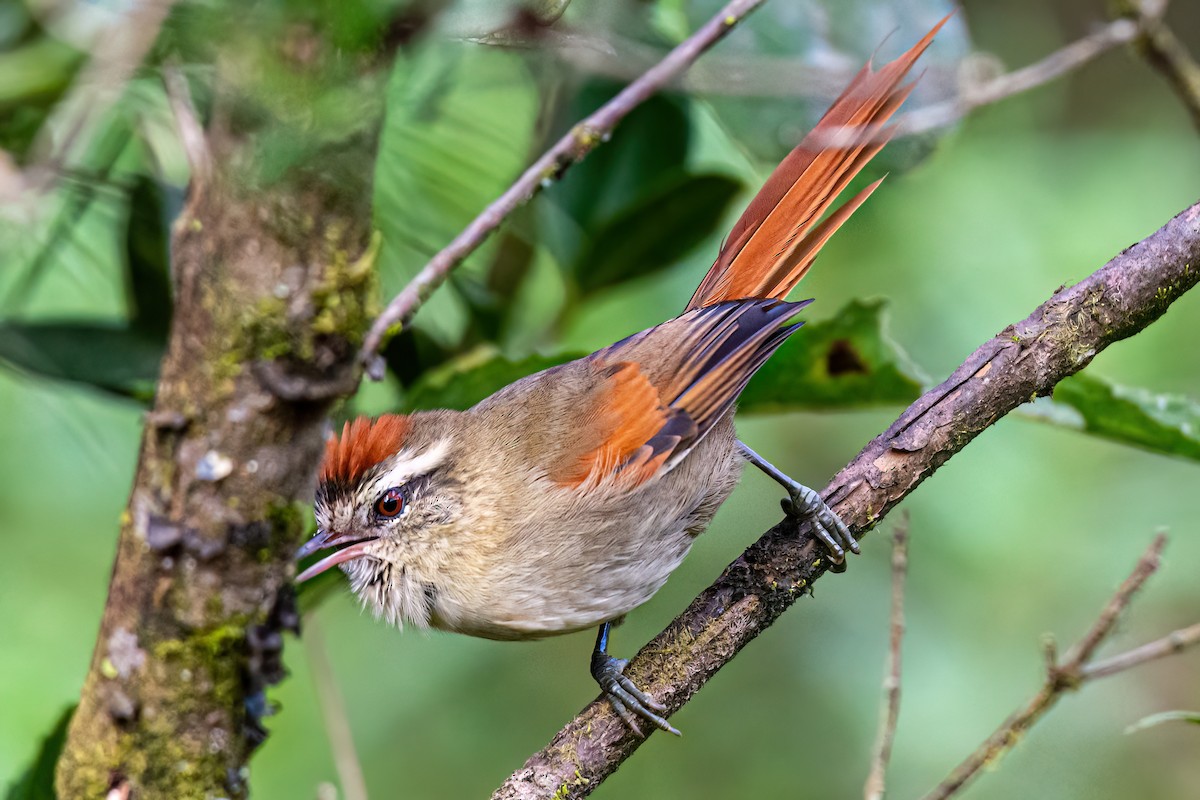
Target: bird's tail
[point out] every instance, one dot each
(775, 241)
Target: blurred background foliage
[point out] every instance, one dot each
(1024, 532)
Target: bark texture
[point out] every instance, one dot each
(1020, 363)
(271, 300)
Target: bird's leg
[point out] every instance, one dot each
(806, 504)
(626, 698)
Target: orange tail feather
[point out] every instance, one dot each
(776, 240)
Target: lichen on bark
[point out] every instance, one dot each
(200, 590)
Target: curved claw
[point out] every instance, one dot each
(827, 526)
(625, 697)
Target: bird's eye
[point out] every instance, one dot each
(391, 503)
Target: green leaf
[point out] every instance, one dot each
(655, 232)
(1166, 716)
(147, 256)
(649, 145)
(457, 131)
(844, 362)
(1168, 424)
(114, 358)
(463, 383)
(648, 152)
(316, 590)
(37, 783)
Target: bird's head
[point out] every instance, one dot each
(382, 483)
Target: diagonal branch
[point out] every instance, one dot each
(1024, 360)
(572, 147)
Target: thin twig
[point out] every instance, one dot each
(333, 710)
(1055, 65)
(889, 711)
(1174, 642)
(580, 140)
(1162, 50)
(1060, 678)
(191, 132)
(942, 115)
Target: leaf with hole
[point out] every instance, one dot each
(846, 361)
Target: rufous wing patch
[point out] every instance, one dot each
(363, 444)
(626, 412)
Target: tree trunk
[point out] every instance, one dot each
(271, 296)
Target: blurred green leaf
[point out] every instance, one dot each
(844, 362)
(463, 383)
(42, 68)
(457, 131)
(319, 588)
(147, 256)
(114, 358)
(1163, 423)
(648, 151)
(37, 783)
(656, 231)
(1166, 716)
(649, 145)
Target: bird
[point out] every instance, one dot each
(565, 500)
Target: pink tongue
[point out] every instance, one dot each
(346, 554)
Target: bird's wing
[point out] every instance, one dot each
(662, 390)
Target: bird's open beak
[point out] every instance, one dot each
(324, 540)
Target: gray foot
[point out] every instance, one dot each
(626, 698)
(806, 505)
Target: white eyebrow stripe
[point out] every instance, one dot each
(418, 464)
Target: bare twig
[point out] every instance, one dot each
(1052, 66)
(1060, 678)
(1163, 51)
(1055, 65)
(776, 76)
(191, 132)
(580, 140)
(1174, 642)
(1058, 339)
(333, 710)
(889, 711)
